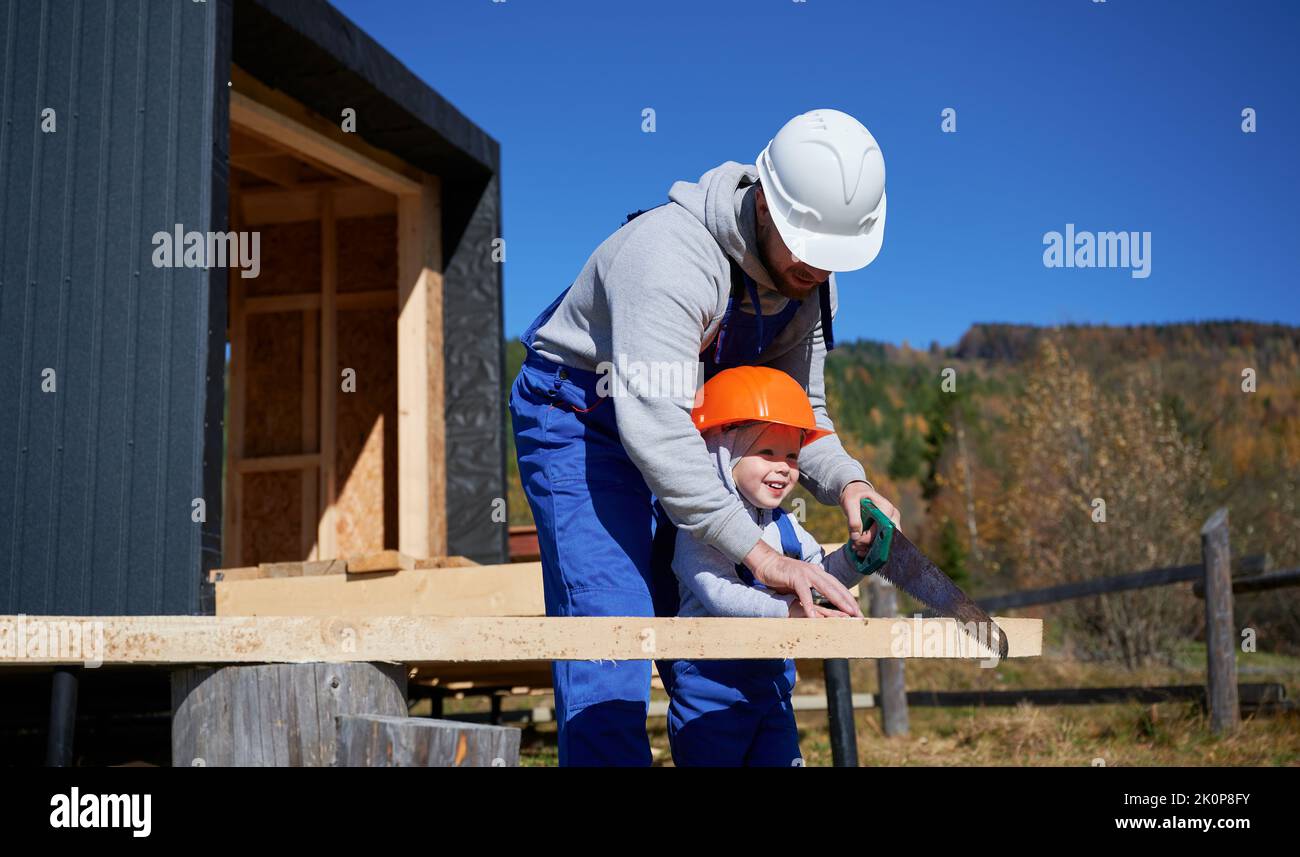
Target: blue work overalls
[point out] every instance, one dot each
(595, 520)
(738, 712)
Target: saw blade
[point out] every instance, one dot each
(911, 571)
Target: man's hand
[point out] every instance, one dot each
(797, 612)
(785, 574)
(851, 503)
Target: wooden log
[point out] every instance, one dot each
(1220, 630)
(397, 742)
(275, 714)
(893, 686)
(34, 640)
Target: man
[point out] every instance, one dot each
(735, 269)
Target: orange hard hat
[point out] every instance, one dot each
(756, 394)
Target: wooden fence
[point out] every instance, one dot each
(1212, 580)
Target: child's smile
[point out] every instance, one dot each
(768, 472)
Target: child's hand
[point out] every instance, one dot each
(797, 612)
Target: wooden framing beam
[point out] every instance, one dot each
(327, 532)
(120, 640)
(319, 141)
(280, 169)
(421, 419)
(311, 302)
(276, 463)
(310, 484)
(263, 207)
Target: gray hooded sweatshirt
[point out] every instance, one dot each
(653, 294)
(707, 582)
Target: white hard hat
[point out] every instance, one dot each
(824, 179)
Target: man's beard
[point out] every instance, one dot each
(785, 283)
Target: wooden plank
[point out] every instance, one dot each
(445, 562)
(247, 572)
(309, 568)
(311, 302)
(262, 208)
(327, 533)
(1260, 583)
(322, 142)
(421, 426)
(278, 168)
(387, 560)
(375, 741)
(489, 590)
(482, 674)
(310, 430)
(1098, 586)
(120, 640)
(272, 463)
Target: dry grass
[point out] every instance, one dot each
(1166, 734)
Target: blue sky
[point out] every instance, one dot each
(1122, 115)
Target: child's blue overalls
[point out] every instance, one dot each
(595, 520)
(735, 713)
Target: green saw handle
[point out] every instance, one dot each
(878, 553)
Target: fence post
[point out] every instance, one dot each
(1220, 636)
(839, 712)
(893, 690)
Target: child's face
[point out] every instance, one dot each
(770, 470)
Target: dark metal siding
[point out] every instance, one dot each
(476, 422)
(97, 479)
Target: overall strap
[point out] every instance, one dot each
(737, 290)
(790, 544)
(758, 308)
(828, 333)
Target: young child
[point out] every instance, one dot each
(738, 712)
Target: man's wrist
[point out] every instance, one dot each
(759, 556)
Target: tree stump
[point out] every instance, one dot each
(275, 714)
(373, 741)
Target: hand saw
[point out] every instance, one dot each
(902, 564)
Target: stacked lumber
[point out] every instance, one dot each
(383, 561)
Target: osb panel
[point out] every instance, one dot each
(290, 257)
(273, 402)
(366, 438)
(367, 253)
(272, 519)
